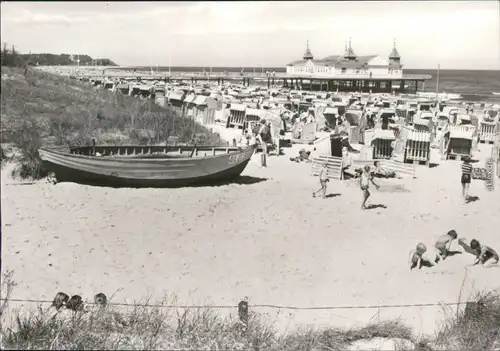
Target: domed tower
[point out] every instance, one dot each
(349, 52)
(308, 54)
(394, 57)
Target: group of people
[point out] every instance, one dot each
(485, 255)
(259, 133)
(364, 175)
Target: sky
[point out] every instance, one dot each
(454, 34)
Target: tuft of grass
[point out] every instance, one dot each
(475, 328)
(46, 110)
(141, 328)
(6, 289)
(340, 339)
(27, 140)
(4, 156)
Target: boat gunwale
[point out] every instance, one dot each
(137, 159)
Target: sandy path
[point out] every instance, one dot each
(270, 241)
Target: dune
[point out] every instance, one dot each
(267, 239)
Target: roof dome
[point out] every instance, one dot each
(349, 52)
(308, 54)
(394, 53)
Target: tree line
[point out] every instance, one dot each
(10, 57)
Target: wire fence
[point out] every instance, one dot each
(271, 306)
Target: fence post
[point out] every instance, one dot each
(243, 311)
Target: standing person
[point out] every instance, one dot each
(474, 120)
(385, 121)
(323, 179)
(366, 179)
(346, 161)
(370, 120)
(466, 178)
(264, 136)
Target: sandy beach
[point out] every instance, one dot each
(271, 104)
(266, 238)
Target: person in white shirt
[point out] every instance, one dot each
(346, 161)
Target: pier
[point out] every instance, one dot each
(407, 83)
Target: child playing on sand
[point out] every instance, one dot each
(366, 178)
(443, 243)
(484, 254)
(379, 172)
(417, 258)
(323, 179)
(466, 178)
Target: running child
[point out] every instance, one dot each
(366, 179)
(484, 254)
(443, 243)
(323, 179)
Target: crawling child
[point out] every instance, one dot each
(444, 242)
(417, 258)
(485, 255)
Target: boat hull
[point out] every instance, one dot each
(146, 171)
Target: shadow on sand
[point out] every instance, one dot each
(472, 199)
(242, 180)
(425, 263)
(332, 195)
(453, 253)
(371, 207)
(20, 184)
(433, 165)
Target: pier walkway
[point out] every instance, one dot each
(343, 82)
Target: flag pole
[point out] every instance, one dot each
(437, 85)
(169, 63)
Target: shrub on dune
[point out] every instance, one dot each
(41, 109)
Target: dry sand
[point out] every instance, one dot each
(270, 241)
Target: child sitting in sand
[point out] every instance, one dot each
(379, 172)
(443, 243)
(484, 254)
(417, 258)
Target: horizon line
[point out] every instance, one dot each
(277, 66)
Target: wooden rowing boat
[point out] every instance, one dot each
(147, 166)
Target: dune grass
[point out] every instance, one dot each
(154, 328)
(475, 328)
(43, 109)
